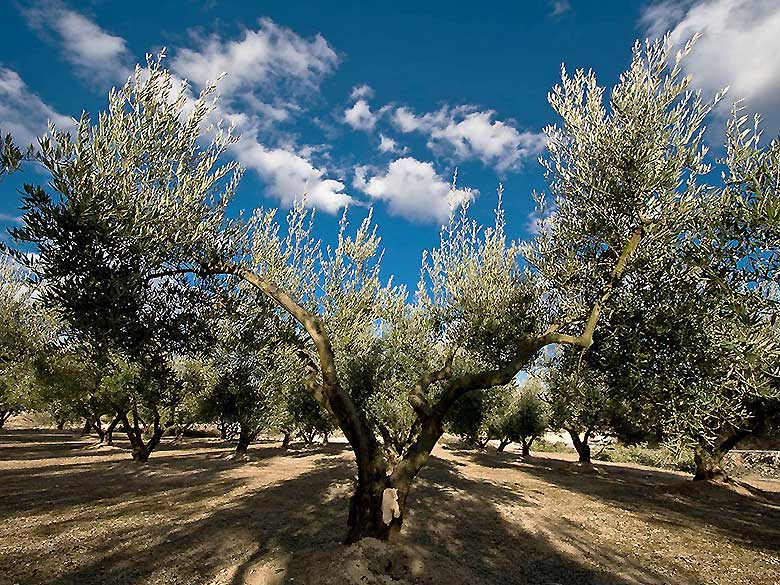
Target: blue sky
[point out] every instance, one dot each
(372, 103)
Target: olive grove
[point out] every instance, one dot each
(139, 254)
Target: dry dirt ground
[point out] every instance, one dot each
(74, 513)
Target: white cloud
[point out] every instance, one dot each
(23, 113)
(98, 57)
(472, 134)
(414, 190)
(558, 7)
(268, 70)
(360, 116)
(288, 176)
(739, 47)
(405, 120)
(364, 91)
(387, 144)
(261, 60)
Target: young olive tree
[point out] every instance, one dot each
(480, 417)
(620, 173)
(527, 419)
(579, 401)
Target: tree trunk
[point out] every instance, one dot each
(98, 426)
(87, 427)
(325, 438)
(4, 416)
(141, 450)
(708, 464)
(110, 429)
(581, 445)
(60, 424)
(709, 459)
(502, 445)
(376, 509)
(286, 439)
(245, 437)
(526, 447)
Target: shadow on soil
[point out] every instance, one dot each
(185, 530)
(660, 497)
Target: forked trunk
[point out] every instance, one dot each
(111, 426)
(141, 450)
(502, 445)
(376, 509)
(526, 447)
(98, 426)
(581, 445)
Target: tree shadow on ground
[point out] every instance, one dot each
(659, 497)
(196, 518)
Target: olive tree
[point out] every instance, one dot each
(527, 418)
(25, 331)
(479, 417)
(620, 171)
(579, 401)
(696, 340)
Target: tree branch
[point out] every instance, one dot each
(417, 396)
(585, 339)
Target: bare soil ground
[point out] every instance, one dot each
(74, 513)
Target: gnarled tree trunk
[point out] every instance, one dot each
(97, 424)
(708, 465)
(111, 426)
(141, 450)
(709, 459)
(503, 444)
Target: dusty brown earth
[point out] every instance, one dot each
(74, 513)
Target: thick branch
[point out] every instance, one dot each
(417, 397)
(585, 339)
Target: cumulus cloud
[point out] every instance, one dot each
(97, 56)
(364, 91)
(387, 144)
(738, 47)
(413, 189)
(22, 112)
(468, 133)
(262, 66)
(289, 175)
(360, 116)
(264, 58)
